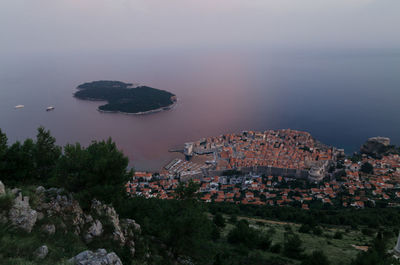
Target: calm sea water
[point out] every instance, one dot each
(341, 98)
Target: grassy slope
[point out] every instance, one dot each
(17, 247)
(338, 251)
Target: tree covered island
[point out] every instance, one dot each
(124, 97)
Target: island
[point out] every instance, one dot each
(126, 98)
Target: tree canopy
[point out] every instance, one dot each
(98, 171)
(367, 168)
(31, 161)
(124, 99)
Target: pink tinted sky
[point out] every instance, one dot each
(80, 25)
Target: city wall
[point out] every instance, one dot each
(269, 171)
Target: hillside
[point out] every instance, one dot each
(69, 206)
(48, 226)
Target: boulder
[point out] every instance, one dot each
(15, 191)
(184, 260)
(21, 214)
(49, 229)
(95, 230)
(40, 190)
(40, 216)
(41, 252)
(2, 188)
(100, 257)
(130, 230)
(130, 227)
(131, 247)
(88, 218)
(55, 202)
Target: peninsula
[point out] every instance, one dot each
(125, 98)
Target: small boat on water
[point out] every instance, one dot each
(19, 107)
(50, 108)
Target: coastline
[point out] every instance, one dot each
(142, 112)
(131, 113)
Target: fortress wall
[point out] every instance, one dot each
(269, 171)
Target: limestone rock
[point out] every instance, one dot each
(88, 218)
(21, 214)
(42, 252)
(55, 202)
(100, 257)
(184, 260)
(67, 213)
(15, 191)
(3, 214)
(397, 247)
(49, 229)
(123, 231)
(2, 188)
(40, 216)
(111, 215)
(131, 246)
(130, 230)
(96, 229)
(130, 227)
(40, 190)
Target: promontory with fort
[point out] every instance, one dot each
(125, 97)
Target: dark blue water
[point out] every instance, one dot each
(341, 97)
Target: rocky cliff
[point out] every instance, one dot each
(53, 211)
(375, 146)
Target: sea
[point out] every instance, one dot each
(341, 97)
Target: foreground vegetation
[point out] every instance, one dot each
(17, 247)
(183, 230)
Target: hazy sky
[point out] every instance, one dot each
(80, 25)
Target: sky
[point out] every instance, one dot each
(37, 26)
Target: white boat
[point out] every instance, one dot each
(19, 106)
(50, 108)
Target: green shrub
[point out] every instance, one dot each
(264, 242)
(367, 231)
(288, 228)
(316, 258)
(271, 231)
(243, 234)
(219, 220)
(338, 235)
(215, 233)
(276, 248)
(305, 228)
(317, 231)
(260, 223)
(367, 168)
(6, 201)
(292, 247)
(233, 219)
(249, 237)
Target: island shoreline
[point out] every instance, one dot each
(169, 107)
(105, 85)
